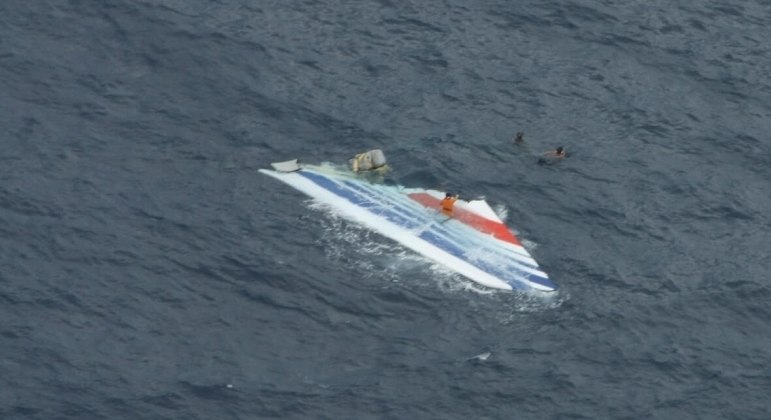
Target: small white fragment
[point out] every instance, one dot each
(481, 357)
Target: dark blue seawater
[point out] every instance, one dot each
(148, 271)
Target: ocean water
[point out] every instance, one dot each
(148, 271)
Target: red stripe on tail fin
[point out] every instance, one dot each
(482, 224)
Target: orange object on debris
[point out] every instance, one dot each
(448, 202)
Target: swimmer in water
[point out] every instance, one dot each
(557, 153)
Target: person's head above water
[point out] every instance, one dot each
(560, 149)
